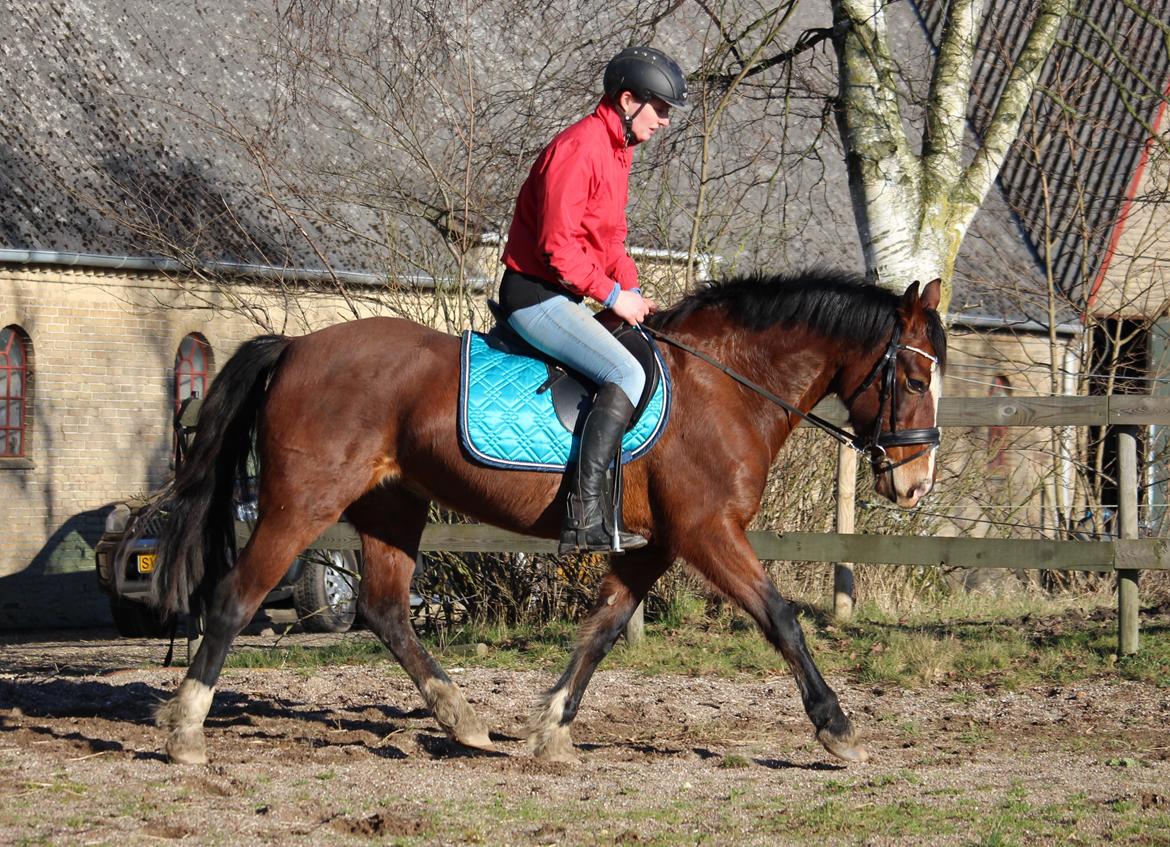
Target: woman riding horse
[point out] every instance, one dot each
(566, 243)
(360, 418)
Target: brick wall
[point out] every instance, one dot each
(102, 356)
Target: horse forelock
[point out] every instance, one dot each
(836, 304)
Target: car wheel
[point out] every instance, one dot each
(325, 595)
(138, 620)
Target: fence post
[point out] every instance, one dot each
(1128, 602)
(846, 497)
(636, 626)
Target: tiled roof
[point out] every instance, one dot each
(104, 145)
(1072, 164)
(97, 148)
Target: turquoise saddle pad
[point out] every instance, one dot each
(505, 423)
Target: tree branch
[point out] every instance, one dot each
(1012, 106)
(946, 104)
(807, 40)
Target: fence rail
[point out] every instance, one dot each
(1014, 554)
(1109, 410)
(1126, 556)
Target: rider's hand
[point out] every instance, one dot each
(632, 307)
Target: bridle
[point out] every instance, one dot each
(874, 446)
(887, 367)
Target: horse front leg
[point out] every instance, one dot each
(624, 587)
(728, 561)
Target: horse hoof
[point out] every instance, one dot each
(476, 741)
(552, 744)
(846, 749)
(187, 747)
(562, 757)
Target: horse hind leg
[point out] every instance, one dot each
(624, 587)
(391, 525)
(268, 554)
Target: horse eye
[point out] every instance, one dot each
(915, 386)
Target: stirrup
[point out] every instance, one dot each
(597, 539)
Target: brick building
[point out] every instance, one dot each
(138, 248)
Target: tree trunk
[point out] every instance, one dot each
(913, 209)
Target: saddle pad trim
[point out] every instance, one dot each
(547, 467)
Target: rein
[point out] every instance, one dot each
(874, 448)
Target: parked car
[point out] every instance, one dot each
(321, 585)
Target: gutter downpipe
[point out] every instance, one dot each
(983, 322)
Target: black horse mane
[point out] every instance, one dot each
(836, 304)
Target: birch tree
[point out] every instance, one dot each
(913, 206)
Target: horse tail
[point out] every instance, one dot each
(197, 544)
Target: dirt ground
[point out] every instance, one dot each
(346, 755)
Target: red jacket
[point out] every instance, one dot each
(570, 221)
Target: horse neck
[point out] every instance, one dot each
(796, 365)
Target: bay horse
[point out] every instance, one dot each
(360, 418)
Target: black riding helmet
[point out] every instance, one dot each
(646, 73)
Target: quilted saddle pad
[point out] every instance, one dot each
(507, 419)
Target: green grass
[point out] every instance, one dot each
(1004, 646)
(358, 648)
(844, 811)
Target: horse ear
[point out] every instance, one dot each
(910, 298)
(932, 293)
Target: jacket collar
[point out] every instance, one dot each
(613, 123)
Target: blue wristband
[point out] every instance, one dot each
(613, 296)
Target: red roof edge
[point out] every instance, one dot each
(1130, 193)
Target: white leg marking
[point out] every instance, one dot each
(453, 713)
(183, 715)
(548, 739)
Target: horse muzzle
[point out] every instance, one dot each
(907, 475)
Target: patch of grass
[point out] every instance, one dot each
(1138, 826)
(682, 609)
(1018, 821)
(859, 807)
(1003, 643)
(733, 760)
(357, 648)
(840, 818)
(911, 729)
(665, 819)
(61, 784)
(973, 735)
(521, 647)
(1152, 661)
(996, 642)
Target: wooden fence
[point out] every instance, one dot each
(1126, 556)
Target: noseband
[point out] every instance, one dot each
(874, 447)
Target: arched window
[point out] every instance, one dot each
(192, 364)
(13, 393)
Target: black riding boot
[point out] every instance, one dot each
(590, 517)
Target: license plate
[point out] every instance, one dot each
(146, 562)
